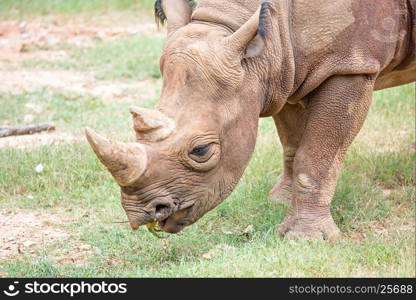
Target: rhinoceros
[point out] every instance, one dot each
(311, 65)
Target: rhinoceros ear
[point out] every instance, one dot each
(249, 39)
(177, 13)
(151, 124)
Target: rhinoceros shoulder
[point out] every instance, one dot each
(316, 24)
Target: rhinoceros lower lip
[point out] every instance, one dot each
(176, 221)
(171, 226)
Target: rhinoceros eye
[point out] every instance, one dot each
(200, 150)
(203, 157)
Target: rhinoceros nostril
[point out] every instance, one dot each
(161, 210)
(161, 207)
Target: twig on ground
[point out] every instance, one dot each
(28, 129)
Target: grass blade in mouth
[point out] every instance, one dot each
(154, 229)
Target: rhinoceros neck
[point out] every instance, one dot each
(277, 62)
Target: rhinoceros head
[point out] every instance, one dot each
(192, 150)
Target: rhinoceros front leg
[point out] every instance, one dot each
(336, 112)
(290, 124)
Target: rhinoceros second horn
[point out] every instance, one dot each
(151, 124)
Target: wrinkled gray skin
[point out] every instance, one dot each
(311, 65)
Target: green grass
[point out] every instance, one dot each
(74, 179)
(373, 203)
(24, 8)
(134, 57)
(69, 110)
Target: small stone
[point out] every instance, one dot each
(163, 243)
(84, 247)
(28, 243)
(22, 25)
(386, 192)
(39, 168)
(248, 229)
(208, 255)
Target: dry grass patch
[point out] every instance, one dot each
(38, 140)
(76, 82)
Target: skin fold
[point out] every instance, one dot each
(311, 65)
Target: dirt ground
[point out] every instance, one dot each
(27, 234)
(43, 34)
(71, 81)
(21, 231)
(41, 37)
(37, 140)
(38, 38)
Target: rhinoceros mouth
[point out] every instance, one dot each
(176, 221)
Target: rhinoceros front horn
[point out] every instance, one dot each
(151, 124)
(126, 162)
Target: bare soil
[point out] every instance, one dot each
(21, 231)
(18, 38)
(37, 140)
(39, 38)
